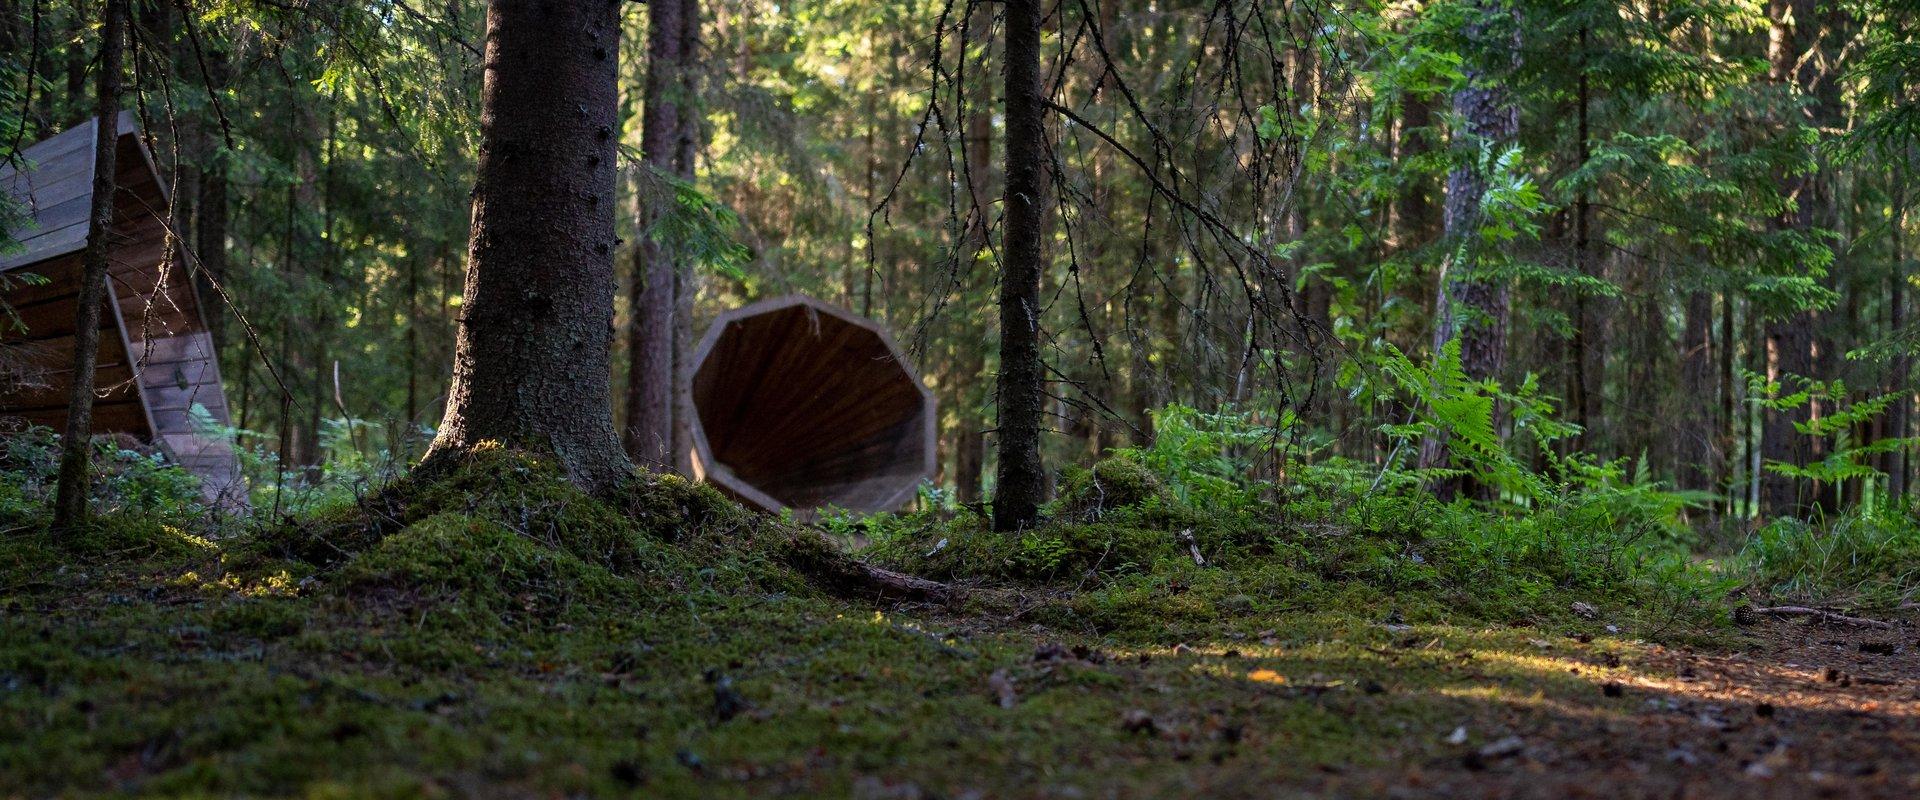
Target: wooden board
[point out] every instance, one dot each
(801, 405)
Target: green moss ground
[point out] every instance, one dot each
(494, 633)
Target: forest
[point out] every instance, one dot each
(959, 398)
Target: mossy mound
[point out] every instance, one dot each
(506, 527)
(1120, 487)
(479, 560)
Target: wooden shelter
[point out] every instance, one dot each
(156, 357)
(803, 405)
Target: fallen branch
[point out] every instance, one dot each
(817, 557)
(892, 584)
(1823, 616)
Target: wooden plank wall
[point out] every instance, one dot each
(157, 359)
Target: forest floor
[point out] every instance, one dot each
(468, 655)
(852, 703)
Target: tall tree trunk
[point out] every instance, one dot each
(1415, 223)
(1695, 452)
(530, 358)
(649, 436)
(970, 456)
(1729, 422)
(686, 282)
(210, 219)
(1789, 337)
(1894, 462)
(1581, 392)
(1470, 306)
(76, 445)
(1315, 302)
(1021, 483)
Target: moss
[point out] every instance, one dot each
(493, 630)
(1122, 489)
(480, 562)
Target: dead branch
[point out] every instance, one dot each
(1823, 616)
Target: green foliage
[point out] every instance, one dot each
(1867, 558)
(1205, 460)
(1449, 404)
(695, 226)
(1843, 414)
(127, 483)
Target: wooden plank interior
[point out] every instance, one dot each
(801, 404)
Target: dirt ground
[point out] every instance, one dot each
(1806, 708)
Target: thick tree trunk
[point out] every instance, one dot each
(1415, 223)
(1471, 307)
(1789, 344)
(530, 358)
(76, 445)
(1021, 482)
(650, 401)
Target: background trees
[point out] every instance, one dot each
(1243, 206)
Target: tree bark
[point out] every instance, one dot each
(76, 445)
(1789, 337)
(970, 456)
(686, 282)
(210, 219)
(535, 335)
(1894, 462)
(1021, 395)
(1471, 307)
(650, 379)
(1695, 454)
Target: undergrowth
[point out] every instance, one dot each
(1131, 560)
(1866, 558)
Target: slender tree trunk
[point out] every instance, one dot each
(1021, 482)
(1695, 452)
(76, 445)
(970, 457)
(1472, 307)
(1580, 389)
(1894, 463)
(1729, 422)
(210, 219)
(686, 282)
(535, 336)
(1316, 296)
(650, 381)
